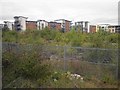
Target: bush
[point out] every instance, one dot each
(31, 67)
(28, 66)
(100, 39)
(9, 36)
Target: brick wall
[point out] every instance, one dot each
(31, 25)
(67, 26)
(54, 25)
(92, 28)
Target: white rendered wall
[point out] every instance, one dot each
(40, 23)
(23, 23)
(9, 24)
(88, 27)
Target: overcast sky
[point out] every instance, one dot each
(94, 11)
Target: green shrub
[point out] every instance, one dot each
(28, 66)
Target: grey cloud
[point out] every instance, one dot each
(93, 10)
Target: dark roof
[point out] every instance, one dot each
(54, 22)
(82, 21)
(41, 20)
(63, 19)
(32, 21)
(20, 16)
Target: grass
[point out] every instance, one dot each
(84, 69)
(34, 64)
(92, 73)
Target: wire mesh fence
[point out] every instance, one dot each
(88, 62)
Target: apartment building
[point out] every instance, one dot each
(54, 25)
(103, 27)
(93, 28)
(114, 28)
(8, 25)
(20, 23)
(83, 26)
(1, 26)
(41, 24)
(65, 24)
(31, 25)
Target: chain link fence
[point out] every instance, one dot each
(88, 62)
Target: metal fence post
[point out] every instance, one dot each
(64, 58)
(99, 66)
(117, 64)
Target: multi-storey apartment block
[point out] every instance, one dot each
(1, 26)
(103, 27)
(93, 28)
(20, 23)
(41, 24)
(83, 26)
(31, 25)
(114, 28)
(8, 25)
(54, 25)
(65, 24)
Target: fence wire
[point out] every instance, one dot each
(88, 62)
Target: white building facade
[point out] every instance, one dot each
(9, 25)
(65, 24)
(20, 23)
(114, 28)
(103, 27)
(41, 24)
(83, 26)
(1, 26)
